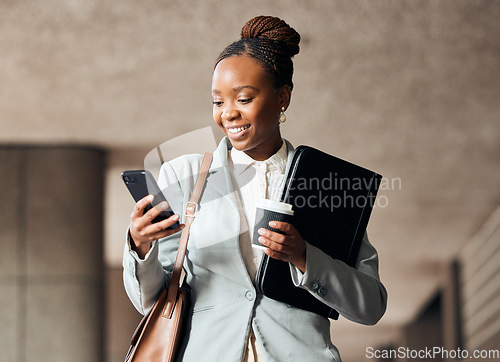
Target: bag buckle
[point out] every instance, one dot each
(191, 208)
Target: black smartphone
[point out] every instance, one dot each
(141, 183)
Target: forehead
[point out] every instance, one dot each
(239, 71)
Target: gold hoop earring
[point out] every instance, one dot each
(282, 115)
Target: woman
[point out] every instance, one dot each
(230, 320)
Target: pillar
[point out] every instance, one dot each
(51, 254)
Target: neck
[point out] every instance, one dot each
(265, 151)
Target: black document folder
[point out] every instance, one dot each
(332, 201)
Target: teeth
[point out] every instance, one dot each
(237, 129)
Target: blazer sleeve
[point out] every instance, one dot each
(144, 279)
(356, 293)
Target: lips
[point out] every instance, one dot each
(237, 133)
(236, 130)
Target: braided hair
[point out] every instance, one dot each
(272, 42)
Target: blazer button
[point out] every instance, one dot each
(314, 285)
(249, 295)
(322, 291)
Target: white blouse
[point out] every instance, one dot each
(254, 180)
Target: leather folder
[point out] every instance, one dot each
(332, 201)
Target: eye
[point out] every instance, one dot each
(245, 100)
(217, 103)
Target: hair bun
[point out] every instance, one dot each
(272, 28)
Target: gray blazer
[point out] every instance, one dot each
(225, 303)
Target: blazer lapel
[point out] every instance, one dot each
(219, 177)
(220, 181)
(290, 151)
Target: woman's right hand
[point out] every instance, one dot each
(143, 231)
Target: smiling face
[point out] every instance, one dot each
(247, 107)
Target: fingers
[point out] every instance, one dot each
(152, 232)
(281, 243)
(141, 219)
(276, 254)
(285, 227)
(289, 247)
(141, 205)
(282, 239)
(295, 254)
(142, 230)
(161, 229)
(274, 241)
(155, 234)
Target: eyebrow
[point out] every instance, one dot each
(237, 89)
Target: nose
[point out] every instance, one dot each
(230, 112)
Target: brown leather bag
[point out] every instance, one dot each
(160, 332)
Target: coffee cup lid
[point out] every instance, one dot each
(275, 206)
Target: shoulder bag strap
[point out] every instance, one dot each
(190, 213)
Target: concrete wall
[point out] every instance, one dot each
(121, 317)
(51, 259)
(480, 291)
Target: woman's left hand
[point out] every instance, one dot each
(289, 247)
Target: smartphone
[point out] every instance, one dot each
(141, 183)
